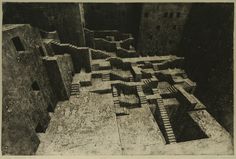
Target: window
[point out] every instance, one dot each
(174, 27)
(171, 15)
(39, 128)
(178, 14)
(166, 14)
(170, 41)
(146, 15)
(35, 86)
(158, 27)
(41, 51)
(18, 44)
(50, 109)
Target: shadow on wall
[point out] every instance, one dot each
(207, 45)
(65, 18)
(124, 17)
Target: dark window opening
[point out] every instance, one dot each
(158, 27)
(39, 128)
(171, 15)
(18, 44)
(166, 14)
(178, 14)
(174, 27)
(170, 42)
(35, 86)
(50, 108)
(146, 15)
(42, 53)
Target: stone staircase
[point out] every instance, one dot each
(172, 89)
(106, 77)
(155, 67)
(155, 90)
(131, 79)
(142, 97)
(139, 88)
(74, 89)
(95, 67)
(170, 137)
(147, 83)
(118, 109)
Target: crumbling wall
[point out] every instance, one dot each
(65, 18)
(207, 45)
(161, 27)
(27, 93)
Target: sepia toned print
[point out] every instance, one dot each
(117, 78)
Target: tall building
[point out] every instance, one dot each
(161, 27)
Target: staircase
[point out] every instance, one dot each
(155, 67)
(106, 77)
(131, 79)
(118, 109)
(74, 89)
(147, 83)
(142, 97)
(166, 122)
(139, 88)
(172, 89)
(155, 91)
(115, 93)
(95, 67)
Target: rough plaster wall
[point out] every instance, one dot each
(113, 16)
(207, 46)
(60, 76)
(158, 34)
(65, 18)
(23, 108)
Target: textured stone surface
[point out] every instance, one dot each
(83, 125)
(23, 108)
(160, 27)
(64, 17)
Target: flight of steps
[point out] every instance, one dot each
(155, 67)
(131, 79)
(168, 90)
(74, 89)
(166, 122)
(118, 109)
(106, 77)
(139, 88)
(147, 83)
(155, 91)
(172, 89)
(142, 97)
(95, 67)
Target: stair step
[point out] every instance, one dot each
(171, 135)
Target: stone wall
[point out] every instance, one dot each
(65, 18)
(113, 16)
(27, 93)
(207, 45)
(60, 74)
(161, 27)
